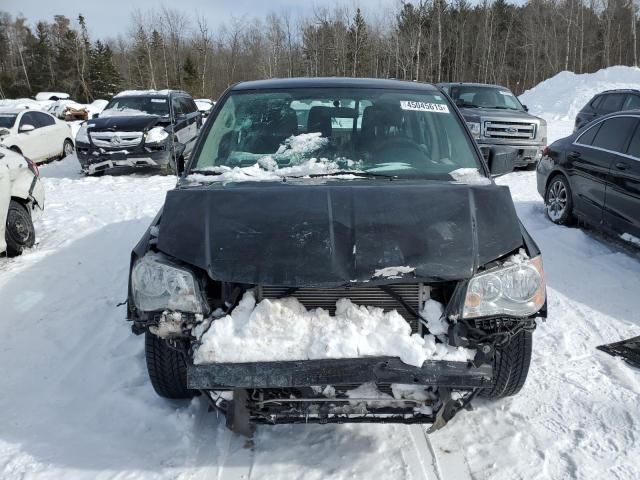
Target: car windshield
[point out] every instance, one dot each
(7, 120)
(471, 96)
(299, 132)
(141, 105)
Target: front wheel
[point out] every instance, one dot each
(67, 148)
(19, 233)
(167, 368)
(511, 366)
(558, 201)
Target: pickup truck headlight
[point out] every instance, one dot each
(475, 129)
(156, 135)
(82, 135)
(156, 284)
(516, 289)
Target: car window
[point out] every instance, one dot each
(29, 119)
(7, 120)
(631, 102)
(612, 102)
(132, 105)
(634, 144)
(187, 106)
(614, 133)
(409, 134)
(587, 137)
(43, 119)
(596, 102)
(177, 106)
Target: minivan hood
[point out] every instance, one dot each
(338, 234)
(125, 123)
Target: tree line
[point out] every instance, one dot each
(516, 45)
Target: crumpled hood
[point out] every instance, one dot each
(125, 123)
(336, 234)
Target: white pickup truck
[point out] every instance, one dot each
(21, 200)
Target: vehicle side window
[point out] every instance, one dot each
(43, 119)
(177, 106)
(632, 102)
(614, 133)
(29, 119)
(634, 145)
(596, 102)
(612, 102)
(186, 106)
(587, 137)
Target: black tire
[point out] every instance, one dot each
(19, 233)
(167, 368)
(511, 366)
(67, 148)
(558, 200)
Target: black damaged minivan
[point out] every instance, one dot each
(310, 188)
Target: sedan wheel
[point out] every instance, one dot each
(67, 149)
(19, 233)
(558, 201)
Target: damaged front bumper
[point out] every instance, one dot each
(97, 160)
(347, 371)
(296, 391)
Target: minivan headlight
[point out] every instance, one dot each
(156, 135)
(156, 284)
(475, 129)
(515, 289)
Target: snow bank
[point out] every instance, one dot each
(559, 98)
(284, 329)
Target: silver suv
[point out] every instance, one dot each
(495, 116)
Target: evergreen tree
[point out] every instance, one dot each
(104, 79)
(358, 43)
(190, 74)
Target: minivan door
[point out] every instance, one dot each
(622, 204)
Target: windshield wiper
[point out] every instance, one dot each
(350, 172)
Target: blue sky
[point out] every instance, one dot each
(107, 18)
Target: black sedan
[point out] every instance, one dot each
(594, 175)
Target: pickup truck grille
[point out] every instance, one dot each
(117, 140)
(509, 130)
(326, 298)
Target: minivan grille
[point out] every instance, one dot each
(116, 139)
(326, 298)
(509, 130)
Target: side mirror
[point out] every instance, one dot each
(26, 128)
(526, 109)
(501, 160)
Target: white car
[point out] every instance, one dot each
(204, 105)
(36, 135)
(21, 202)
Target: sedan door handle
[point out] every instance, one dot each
(621, 166)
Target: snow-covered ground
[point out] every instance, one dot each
(75, 401)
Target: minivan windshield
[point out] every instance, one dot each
(316, 131)
(482, 96)
(141, 105)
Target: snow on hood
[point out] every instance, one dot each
(122, 112)
(283, 329)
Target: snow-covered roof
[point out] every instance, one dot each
(151, 93)
(12, 110)
(49, 95)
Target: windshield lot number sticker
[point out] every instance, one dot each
(423, 106)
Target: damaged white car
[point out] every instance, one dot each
(21, 201)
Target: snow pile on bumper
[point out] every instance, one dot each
(279, 330)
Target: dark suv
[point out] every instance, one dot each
(140, 128)
(607, 102)
(336, 251)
